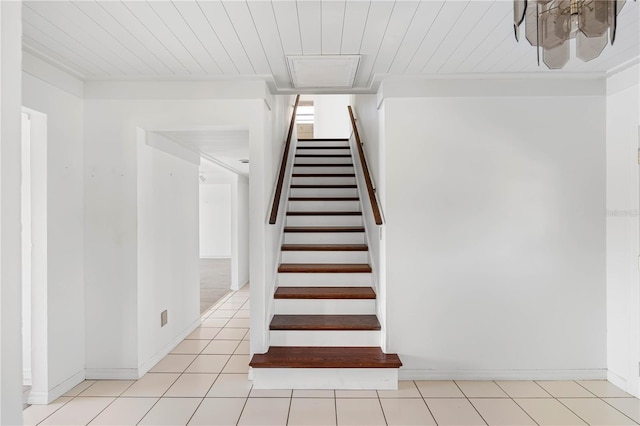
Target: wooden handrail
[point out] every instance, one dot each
(367, 177)
(283, 167)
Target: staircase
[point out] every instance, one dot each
(325, 333)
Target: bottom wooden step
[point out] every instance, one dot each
(325, 357)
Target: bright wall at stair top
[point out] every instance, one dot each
(331, 117)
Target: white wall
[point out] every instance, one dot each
(242, 209)
(623, 232)
(168, 260)
(215, 220)
(495, 233)
(111, 196)
(331, 118)
(10, 291)
(59, 183)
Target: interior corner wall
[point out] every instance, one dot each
(623, 231)
(65, 316)
(111, 194)
(495, 235)
(10, 269)
(331, 118)
(168, 259)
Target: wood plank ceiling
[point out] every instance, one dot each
(183, 40)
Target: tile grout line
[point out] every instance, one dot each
(425, 401)
(469, 401)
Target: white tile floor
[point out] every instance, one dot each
(204, 382)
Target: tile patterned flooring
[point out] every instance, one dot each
(204, 382)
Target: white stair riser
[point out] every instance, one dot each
(324, 192)
(323, 180)
(325, 378)
(321, 169)
(324, 206)
(324, 238)
(338, 151)
(318, 279)
(332, 220)
(325, 256)
(324, 338)
(323, 160)
(327, 143)
(325, 306)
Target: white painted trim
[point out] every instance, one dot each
(325, 378)
(26, 376)
(42, 398)
(577, 374)
(56, 74)
(493, 88)
(248, 88)
(618, 381)
(215, 257)
(146, 366)
(112, 373)
(169, 146)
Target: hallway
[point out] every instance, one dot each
(204, 382)
(215, 281)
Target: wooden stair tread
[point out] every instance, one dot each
(322, 140)
(324, 229)
(323, 147)
(338, 186)
(324, 268)
(310, 175)
(323, 165)
(325, 322)
(325, 357)
(324, 247)
(323, 213)
(324, 199)
(325, 293)
(324, 155)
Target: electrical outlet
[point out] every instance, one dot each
(164, 318)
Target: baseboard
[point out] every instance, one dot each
(579, 374)
(617, 380)
(112, 374)
(45, 397)
(148, 365)
(215, 257)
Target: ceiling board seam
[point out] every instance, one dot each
(197, 38)
(253, 21)
(299, 29)
(115, 38)
(508, 33)
(238, 37)
(445, 36)
(134, 37)
(482, 41)
(218, 37)
(384, 34)
(484, 58)
(92, 50)
(423, 38)
(364, 29)
(176, 37)
(467, 35)
(511, 59)
(74, 39)
(344, 13)
(415, 12)
(156, 37)
(58, 63)
(54, 41)
(275, 19)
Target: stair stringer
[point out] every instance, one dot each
(378, 280)
(278, 230)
